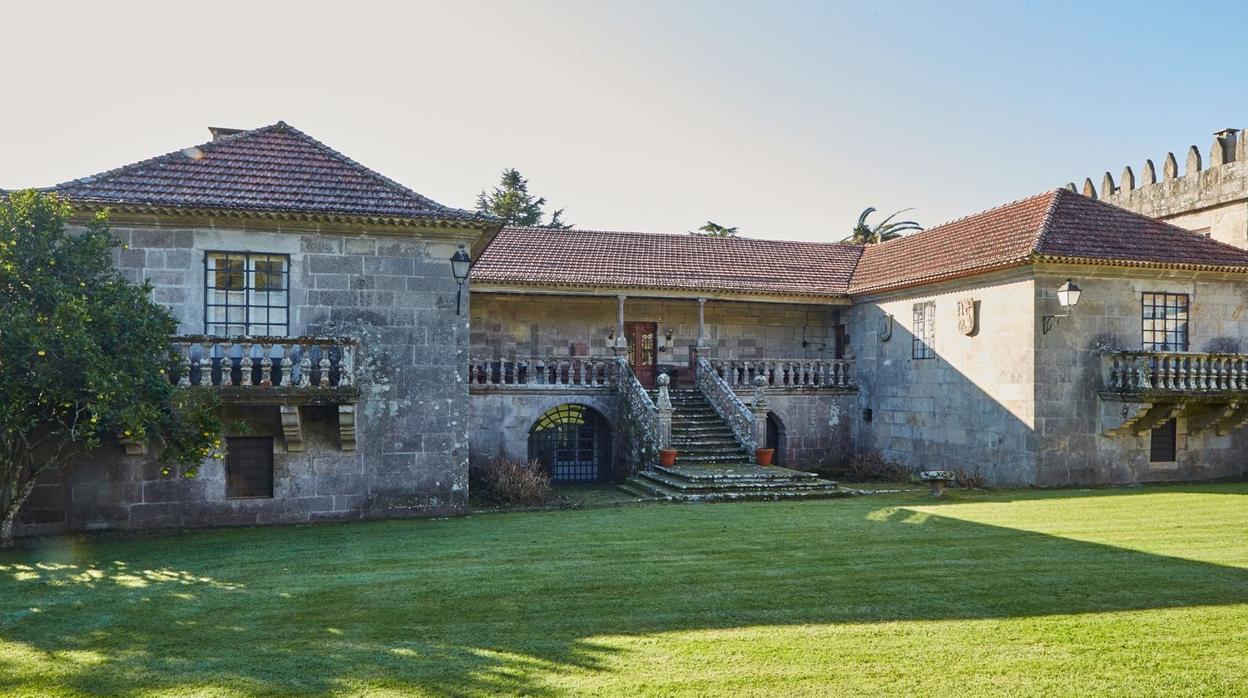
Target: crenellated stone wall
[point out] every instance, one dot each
(1210, 196)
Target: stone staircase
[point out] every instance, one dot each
(713, 466)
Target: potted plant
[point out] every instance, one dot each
(764, 455)
(667, 457)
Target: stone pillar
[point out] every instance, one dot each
(758, 405)
(701, 325)
(621, 342)
(664, 403)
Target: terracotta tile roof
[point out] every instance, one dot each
(275, 168)
(1059, 225)
(545, 257)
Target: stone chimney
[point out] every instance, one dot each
(1228, 138)
(219, 132)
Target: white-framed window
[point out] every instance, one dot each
(1164, 318)
(923, 331)
(246, 293)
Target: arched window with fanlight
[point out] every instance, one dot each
(573, 443)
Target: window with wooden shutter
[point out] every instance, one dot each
(249, 466)
(1163, 446)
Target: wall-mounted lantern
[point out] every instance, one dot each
(460, 264)
(1067, 297)
(667, 340)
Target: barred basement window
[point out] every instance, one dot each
(1164, 321)
(573, 444)
(246, 294)
(249, 466)
(1163, 443)
(924, 331)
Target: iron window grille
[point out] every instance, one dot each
(246, 294)
(572, 443)
(1164, 321)
(924, 330)
(1163, 443)
(249, 467)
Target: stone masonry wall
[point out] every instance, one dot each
(540, 325)
(412, 419)
(969, 407)
(1072, 449)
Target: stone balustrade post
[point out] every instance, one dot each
(758, 405)
(664, 405)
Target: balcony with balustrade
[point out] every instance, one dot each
(1143, 389)
(286, 372)
(583, 374)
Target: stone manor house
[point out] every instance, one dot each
(1063, 339)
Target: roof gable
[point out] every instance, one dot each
(274, 168)
(549, 257)
(1058, 225)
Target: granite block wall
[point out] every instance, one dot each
(393, 289)
(1071, 448)
(971, 406)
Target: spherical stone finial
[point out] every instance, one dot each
(760, 380)
(664, 379)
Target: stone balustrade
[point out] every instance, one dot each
(252, 367)
(639, 420)
(785, 373)
(546, 373)
(1178, 373)
(723, 398)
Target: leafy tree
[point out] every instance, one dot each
(714, 230)
(512, 203)
(84, 355)
(865, 234)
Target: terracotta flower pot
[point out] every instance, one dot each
(764, 455)
(667, 457)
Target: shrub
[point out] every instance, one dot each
(509, 481)
(970, 478)
(872, 465)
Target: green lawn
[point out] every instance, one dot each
(1106, 592)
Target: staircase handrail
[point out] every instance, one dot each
(638, 419)
(735, 413)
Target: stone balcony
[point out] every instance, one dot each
(554, 374)
(798, 374)
(283, 372)
(269, 370)
(598, 374)
(1143, 389)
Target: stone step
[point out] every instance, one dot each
(663, 491)
(743, 470)
(718, 459)
(756, 485)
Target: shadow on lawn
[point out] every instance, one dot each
(444, 620)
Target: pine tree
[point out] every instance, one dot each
(512, 203)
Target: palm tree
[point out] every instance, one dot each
(885, 230)
(715, 230)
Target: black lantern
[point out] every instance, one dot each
(1067, 297)
(460, 263)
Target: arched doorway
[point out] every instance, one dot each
(573, 443)
(775, 437)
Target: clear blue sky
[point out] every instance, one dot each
(782, 118)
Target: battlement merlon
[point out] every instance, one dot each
(1224, 182)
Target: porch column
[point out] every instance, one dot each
(621, 342)
(701, 325)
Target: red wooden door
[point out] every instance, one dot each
(642, 349)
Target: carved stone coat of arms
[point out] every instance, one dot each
(967, 320)
(886, 327)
